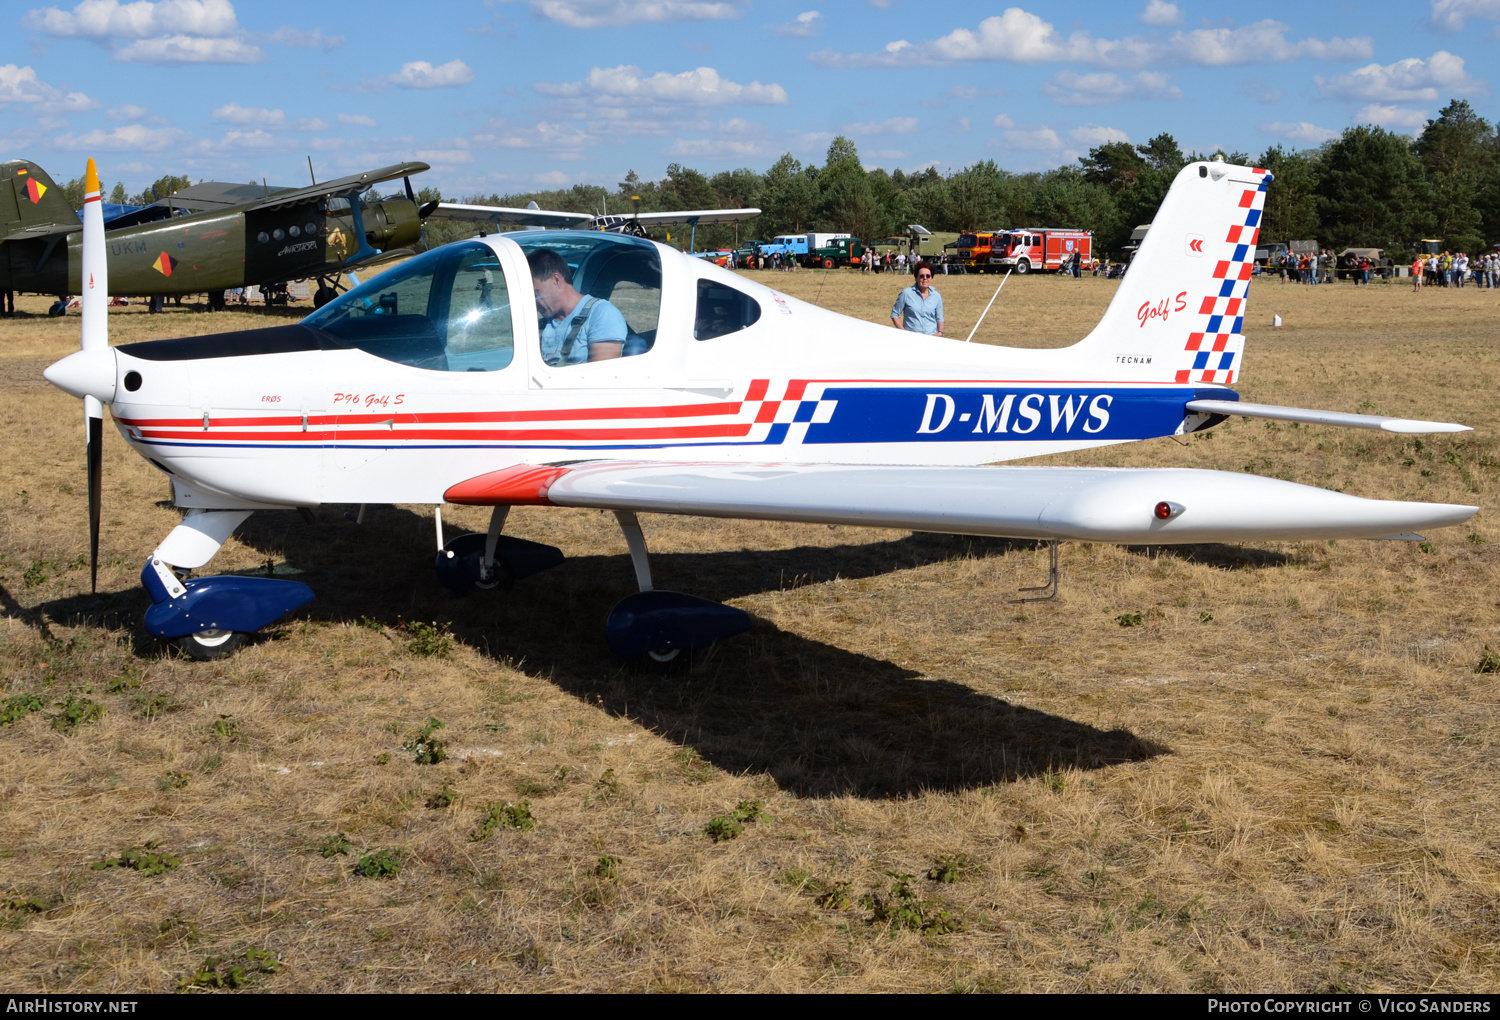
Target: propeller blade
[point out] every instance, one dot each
(95, 455)
(411, 195)
(427, 209)
(95, 336)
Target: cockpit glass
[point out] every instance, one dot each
(447, 310)
(599, 295)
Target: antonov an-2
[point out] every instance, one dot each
(436, 382)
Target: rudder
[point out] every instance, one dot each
(1179, 313)
(30, 198)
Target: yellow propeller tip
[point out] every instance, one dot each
(90, 177)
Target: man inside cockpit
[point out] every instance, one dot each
(575, 328)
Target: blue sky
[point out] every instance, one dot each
(510, 95)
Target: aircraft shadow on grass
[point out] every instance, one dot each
(820, 720)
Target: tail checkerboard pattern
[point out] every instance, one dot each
(1180, 311)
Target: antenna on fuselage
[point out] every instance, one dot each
(310, 171)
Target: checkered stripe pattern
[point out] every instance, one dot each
(1217, 339)
(787, 419)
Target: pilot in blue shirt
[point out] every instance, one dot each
(575, 328)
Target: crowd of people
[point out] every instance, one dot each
(1450, 270)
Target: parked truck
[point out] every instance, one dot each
(975, 248)
(1030, 250)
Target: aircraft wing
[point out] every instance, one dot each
(692, 217)
(342, 186)
(37, 230)
(498, 214)
(1146, 506)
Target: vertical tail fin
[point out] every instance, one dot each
(29, 198)
(1179, 312)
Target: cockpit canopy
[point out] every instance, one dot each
(450, 309)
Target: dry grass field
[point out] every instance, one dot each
(1206, 768)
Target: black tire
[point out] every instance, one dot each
(57, 309)
(323, 296)
(207, 645)
(1023, 267)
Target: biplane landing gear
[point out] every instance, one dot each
(210, 617)
(491, 560)
(662, 624)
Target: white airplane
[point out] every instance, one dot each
(429, 384)
(635, 223)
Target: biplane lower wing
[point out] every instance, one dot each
(1156, 506)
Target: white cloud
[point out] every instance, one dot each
(310, 124)
(959, 125)
(602, 13)
(1450, 15)
(1042, 139)
(127, 111)
(803, 26)
(556, 178)
(185, 49)
(1160, 14)
(717, 148)
(1405, 81)
(964, 92)
(20, 85)
(445, 156)
(357, 120)
(254, 139)
(892, 126)
(699, 87)
(1094, 134)
(1100, 88)
(1299, 131)
(258, 116)
(126, 138)
(1003, 121)
(1018, 36)
(310, 40)
(419, 74)
(562, 141)
(1391, 116)
(110, 20)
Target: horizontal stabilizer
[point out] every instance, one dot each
(1405, 426)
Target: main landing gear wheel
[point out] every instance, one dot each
(207, 645)
(665, 655)
(323, 295)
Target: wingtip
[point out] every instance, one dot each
(90, 177)
(1412, 427)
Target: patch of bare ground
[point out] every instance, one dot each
(1231, 768)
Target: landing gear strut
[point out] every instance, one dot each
(491, 560)
(661, 624)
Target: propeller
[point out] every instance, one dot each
(95, 336)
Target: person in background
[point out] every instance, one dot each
(919, 308)
(1418, 265)
(1460, 269)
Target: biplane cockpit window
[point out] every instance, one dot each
(447, 310)
(622, 271)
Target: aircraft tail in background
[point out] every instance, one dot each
(31, 204)
(1179, 313)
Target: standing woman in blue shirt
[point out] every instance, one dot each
(919, 308)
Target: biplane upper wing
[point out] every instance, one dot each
(342, 186)
(1156, 506)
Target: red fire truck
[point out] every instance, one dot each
(1039, 249)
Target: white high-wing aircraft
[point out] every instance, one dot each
(429, 384)
(634, 223)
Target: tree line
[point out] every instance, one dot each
(1368, 187)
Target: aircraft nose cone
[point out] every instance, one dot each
(85, 374)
